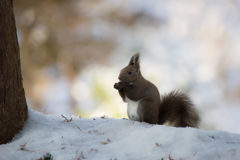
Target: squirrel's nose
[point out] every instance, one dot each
(120, 78)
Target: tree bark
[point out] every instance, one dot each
(13, 106)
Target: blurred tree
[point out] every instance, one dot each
(13, 106)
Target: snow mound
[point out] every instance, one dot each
(108, 138)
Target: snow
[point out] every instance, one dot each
(109, 138)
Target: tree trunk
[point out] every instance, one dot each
(13, 107)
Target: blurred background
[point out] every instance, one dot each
(72, 52)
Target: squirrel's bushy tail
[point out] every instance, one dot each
(177, 109)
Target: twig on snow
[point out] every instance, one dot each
(79, 128)
(66, 120)
(45, 110)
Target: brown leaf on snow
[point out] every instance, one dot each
(104, 143)
(169, 156)
(103, 117)
(95, 131)
(93, 150)
(82, 156)
(108, 141)
(22, 147)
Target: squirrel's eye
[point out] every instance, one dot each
(129, 72)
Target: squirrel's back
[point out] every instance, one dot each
(178, 110)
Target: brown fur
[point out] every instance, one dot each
(175, 108)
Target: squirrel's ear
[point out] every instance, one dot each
(135, 59)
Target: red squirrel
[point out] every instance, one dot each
(145, 103)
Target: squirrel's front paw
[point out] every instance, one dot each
(118, 86)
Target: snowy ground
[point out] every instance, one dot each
(108, 138)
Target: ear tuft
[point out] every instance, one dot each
(135, 59)
(135, 62)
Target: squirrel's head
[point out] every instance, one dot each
(131, 73)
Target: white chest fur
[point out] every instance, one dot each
(132, 109)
